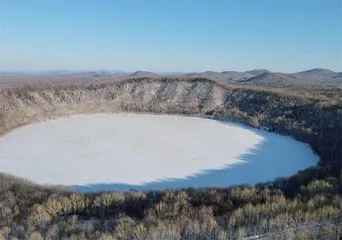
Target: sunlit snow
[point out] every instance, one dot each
(123, 151)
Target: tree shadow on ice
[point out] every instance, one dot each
(275, 156)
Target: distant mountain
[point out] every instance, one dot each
(60, 72)
(257, 71)
(96, 74)
(39, 73)
(286, 75)
(224, 76)
(317, 71)
(65, 72)
(143, 74)
(271, 79)
(208, 74)
(170, 73)
(266, 77)
(235, 75)
(317, 77)
(309, 79)
(112, 72)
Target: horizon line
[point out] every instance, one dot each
(151, 71)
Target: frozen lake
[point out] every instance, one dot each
(123, 151)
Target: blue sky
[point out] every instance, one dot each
(170, 36)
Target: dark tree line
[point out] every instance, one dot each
(279, 209)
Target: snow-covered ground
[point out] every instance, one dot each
(123, 151)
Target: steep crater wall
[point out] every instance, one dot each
(308, 119)
(26, 104)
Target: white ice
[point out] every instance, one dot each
(123, 151)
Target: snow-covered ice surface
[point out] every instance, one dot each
(144, 152)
